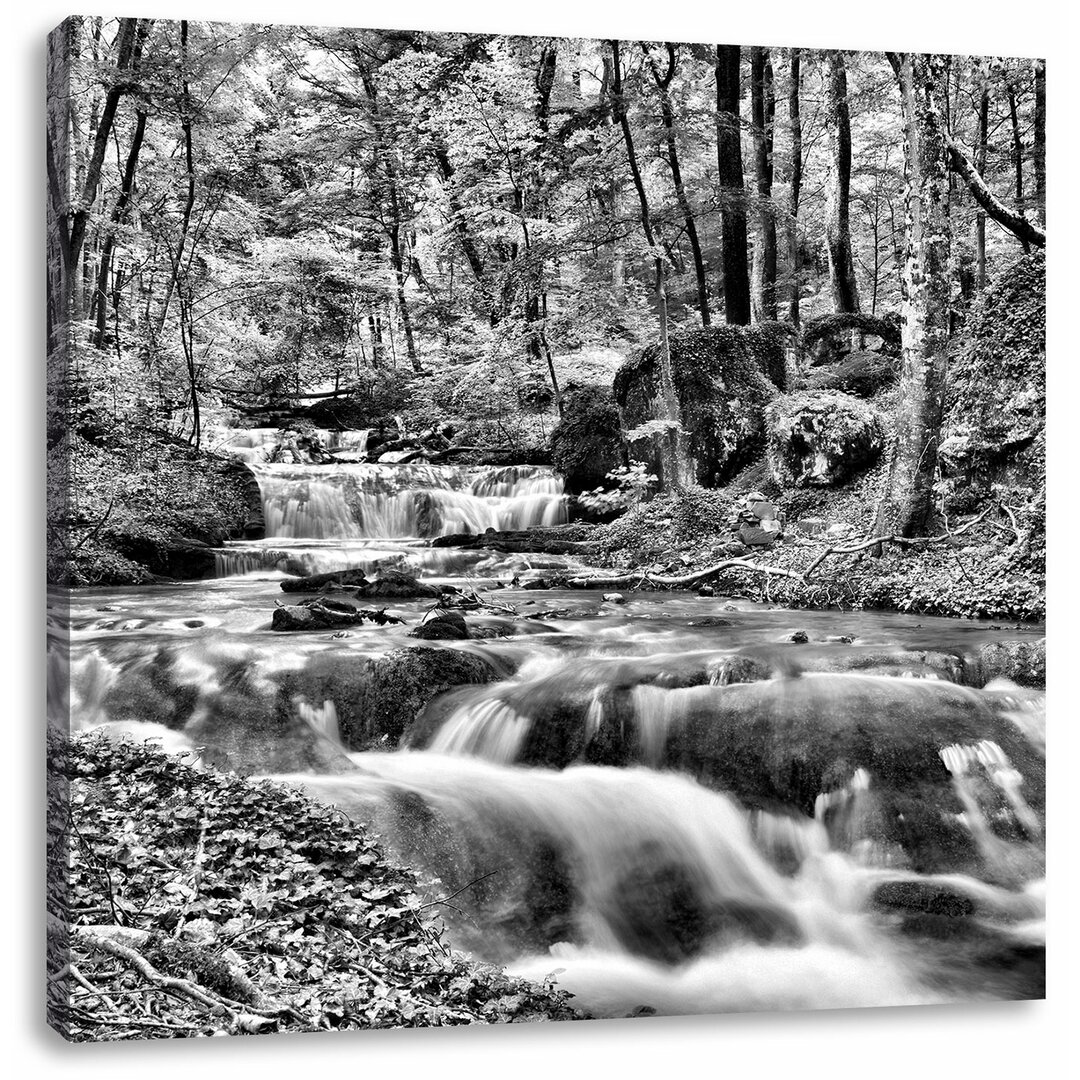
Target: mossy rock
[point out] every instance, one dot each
(587, 442)
(828, 338)
(821, 437)
(993, 434)
(861, 373)
(722, 381)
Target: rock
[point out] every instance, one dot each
(722, 385)
(829, 338)
(536, 583)
(325, 614)
(993, 431)
(821, 437)
(446, 626)
(810, 526)
(706, 590)
(709, 620)
(377, 700)
(614, 598)
(1023, 662)
(800, 637)
(587, 442)
(390, 583)
(860, 373)
(922, 897)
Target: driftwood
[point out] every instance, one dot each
(639, 580)
(684, 581)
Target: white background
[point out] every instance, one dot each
(1029, 1040)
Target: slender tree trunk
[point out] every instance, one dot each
(674, 471)
(796, 186)
(1039, 154)
(400, 276)
(763, 111)
(907, 508)
(980, 164)
(838, 192)
(667, 113)
(732, 192)
(100, 305)
(1018, 157)
(610, 199)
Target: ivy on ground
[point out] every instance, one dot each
(284, 909)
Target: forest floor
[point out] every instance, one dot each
(187, 903)
(988, 570)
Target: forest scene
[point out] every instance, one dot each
(539, 528)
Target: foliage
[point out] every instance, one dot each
(250, 890)
(631, 484)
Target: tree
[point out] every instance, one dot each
(674, 470)
(667, 112)
(838, 227)
(906, 509)
(795, 188)
(732, 192)
(763, 111)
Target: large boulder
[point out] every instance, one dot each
(829, 338)
(861, 373)
(821, 437)
(722, 385)
(587, 442)
(993, 434)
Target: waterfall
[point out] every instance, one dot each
(359, 501)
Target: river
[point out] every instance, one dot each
(667, 804)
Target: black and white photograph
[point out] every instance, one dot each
(539, 528)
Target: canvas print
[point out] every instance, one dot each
(539, 529)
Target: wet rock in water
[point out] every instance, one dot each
(706, 590)
(709, 620)
(922, 897)
(800, 637)
(325, 614)
(446, 626)
(389, 583)
(821, 437)
(740, 669)
(382, 697)
(536, 583)
(614, 598)
(1024, 662)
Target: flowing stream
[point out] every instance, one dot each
(667, 805)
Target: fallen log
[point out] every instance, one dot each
(640, 580)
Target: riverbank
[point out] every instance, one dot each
(203, 904)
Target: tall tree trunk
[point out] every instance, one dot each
(126, 37)
(763, 113)
(906, 508)
(675, 470)
(1039, 154)
(732, 192)
(1018, 157)
(838, 191)
(667, 113)
(980, 164)
(99, 306)
(610, 200)
(796, 186)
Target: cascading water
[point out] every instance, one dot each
(328, 517)
(851, 827)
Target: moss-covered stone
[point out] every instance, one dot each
(722, 385)
(829, 337)
(587, 443)
(861, 373)
(993, 435)
(821, 437)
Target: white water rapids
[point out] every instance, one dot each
(853, 827)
